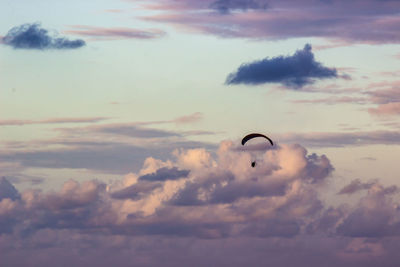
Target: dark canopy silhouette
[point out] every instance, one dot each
(254, 135)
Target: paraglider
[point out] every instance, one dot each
(255, 135)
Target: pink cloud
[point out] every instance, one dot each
(195, 117)
(386, 109)
(101, 33)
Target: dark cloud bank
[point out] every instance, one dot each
(33, 36)
(292, 71)
(197, 209)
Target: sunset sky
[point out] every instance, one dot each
(121, 121)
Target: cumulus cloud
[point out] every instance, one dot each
(160, 198)
(209, 203)
(292, 71)
(375, 216)
(33, 36)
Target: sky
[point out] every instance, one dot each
(121, 126)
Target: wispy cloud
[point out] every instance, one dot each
(110, 148)
(134, 131)
(292, 71)
(192, 118)
(101, 33)
(52, 121)
(333, 100)
(381, 98)
(33, 36)
(386, 109)
(342, 139)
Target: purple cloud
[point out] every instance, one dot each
(342, 139)
(136, 217)
(292, 71)
(375, 216)
(7, 190)
(340, 21)
(164, 174)
(136, 191)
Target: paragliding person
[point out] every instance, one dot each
(255, 135)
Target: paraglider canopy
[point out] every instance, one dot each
(255, 135)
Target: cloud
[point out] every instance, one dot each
(342, 139)
(243, 213)
(226, 6)
(135, 131)
(33, 36)
(20, 179)
(375, 216)
(164, 174)
(340, 21)
(227, 187)
(387, 99)
(386, 109)
(52, 121)
(94, 150)
(110, 158)
(100, 33)
(135, 191)
(153, 203)
(192, 118)
(292, 71)
(110, 148)
(333, 100)
(7, 190)
(355, 186)
(382, 98)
